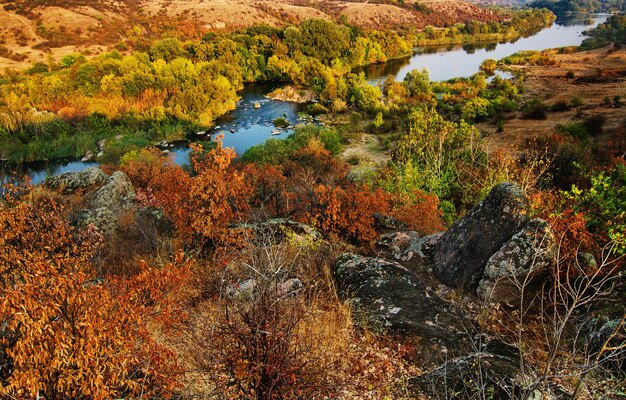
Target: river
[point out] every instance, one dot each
(247, 126)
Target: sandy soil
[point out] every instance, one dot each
(598, 74)
(368, 150)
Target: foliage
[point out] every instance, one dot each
(604, 205)
(425, 156)
(189, 84)
(66, 333)
(346, 212)
(534, 109)
(277, 151)
(280, 122)
(566, 8)
(420, 212)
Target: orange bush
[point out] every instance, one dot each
(570, 226)
(421, 214)
(218, 197)
(270, 193)
(203, 207)
(346, 212)
(67, 333)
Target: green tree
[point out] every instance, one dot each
(319, 38)
(418, 84)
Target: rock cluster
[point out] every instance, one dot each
(490, 255)
(462, 252)
(114, 194)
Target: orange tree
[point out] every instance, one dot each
(202, 206)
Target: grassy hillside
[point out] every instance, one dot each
(33, 31)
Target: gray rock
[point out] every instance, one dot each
(611, 331)
(398, 242)
(527, 255)
(587, 261)
(490, 369)
(290, 287)
(117, 193)
(248, 289)
(243, 290)
(384, 222)
(280, 228)
(462, 252)
(420, 252)
(102, 218)
(69, 182)
(392, 298)
(87, 157)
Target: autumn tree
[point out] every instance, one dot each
(218, 197)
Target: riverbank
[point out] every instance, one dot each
(247, 126)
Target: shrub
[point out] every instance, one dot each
(317, 109)
(281, 122)
(534, 109)
(560, 106)
(577, 101)
(593, 124)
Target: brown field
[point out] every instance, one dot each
(35, 30)
(598, 74)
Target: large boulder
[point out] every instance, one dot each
(69, 182)
(462, 252)
(117, 193)
(392, 298)
(490, 370)
(526, 256)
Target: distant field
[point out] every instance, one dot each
(35, 30)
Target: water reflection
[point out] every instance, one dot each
(447, 62)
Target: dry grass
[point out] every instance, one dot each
(61, 27)
(598, 74)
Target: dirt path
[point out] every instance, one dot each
(369, 151)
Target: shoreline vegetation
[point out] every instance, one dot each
(449, 269)
(174, 88)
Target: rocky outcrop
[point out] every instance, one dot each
(490, 369)
(527, 255)
(69, 182)
(292, 94)
(117, 193)
(392, 298)
(460, 255)
(280, 229)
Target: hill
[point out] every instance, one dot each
(34, 30)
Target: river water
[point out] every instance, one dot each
(247, 126)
